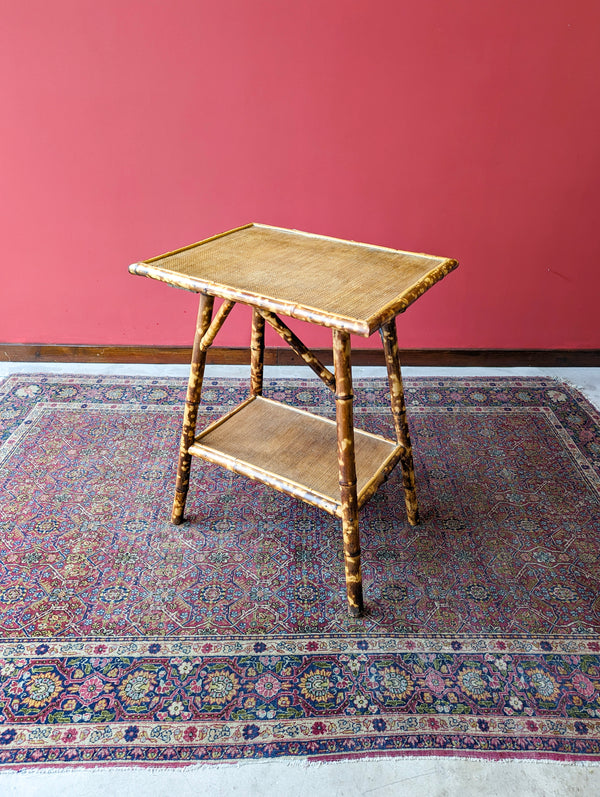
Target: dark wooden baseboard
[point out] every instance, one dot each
(464, 358)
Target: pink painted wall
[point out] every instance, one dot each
(461, 128)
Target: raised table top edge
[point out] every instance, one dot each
(363, 327)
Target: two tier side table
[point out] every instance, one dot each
(349, 287)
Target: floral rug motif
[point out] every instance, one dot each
(126, 639)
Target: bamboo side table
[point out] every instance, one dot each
(346, 286)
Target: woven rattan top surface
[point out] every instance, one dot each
(340, 284)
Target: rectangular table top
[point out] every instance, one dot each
(341, 284)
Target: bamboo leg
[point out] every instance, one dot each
(347, 470)
(191, 407)
(257, 353)
(392, 361)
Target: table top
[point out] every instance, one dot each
(340, 284)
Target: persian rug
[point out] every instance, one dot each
(126, 639)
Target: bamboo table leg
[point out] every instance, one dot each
(392, 361)
(192, 400)
(257, 353)
(347, 470)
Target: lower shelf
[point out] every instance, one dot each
(294, 452)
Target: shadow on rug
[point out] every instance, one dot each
(127, 639)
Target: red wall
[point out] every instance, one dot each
(461, 128)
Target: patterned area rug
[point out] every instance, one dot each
(126, 639)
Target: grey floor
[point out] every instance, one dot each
(383, 777)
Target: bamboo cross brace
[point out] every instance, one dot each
(301, 350)
(216, 325)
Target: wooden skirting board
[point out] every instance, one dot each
(48, 353)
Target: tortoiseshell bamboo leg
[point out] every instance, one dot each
(347, 470)
(392, 361)
(257, 353)
(192, 400)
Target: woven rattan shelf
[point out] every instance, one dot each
(347, 286)
(294, 452)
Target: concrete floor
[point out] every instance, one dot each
(382, 777)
